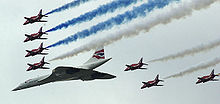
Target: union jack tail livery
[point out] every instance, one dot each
(97, 59)
(99, 54)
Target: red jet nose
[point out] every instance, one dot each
(29, 69)
(126, 69)
(199, 81)
(25, 23)
(27, 55)
(143, 87)
(25, 40)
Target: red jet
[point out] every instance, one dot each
(135, 66)
(38, 65)
(36, 51)
(35, 18)
(35, 36)
(152, 83)
(207, 78)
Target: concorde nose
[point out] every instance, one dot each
(17, 88)
(110, 76)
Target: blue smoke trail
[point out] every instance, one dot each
(67, 6)
(103, 9)
(119, 19)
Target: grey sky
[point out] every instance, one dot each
(200, 28)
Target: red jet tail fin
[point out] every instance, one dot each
(40, 13)
(141, 60)
(40, 30)
(42, 61)
(212, 73)
(157, 77)
(41, 46)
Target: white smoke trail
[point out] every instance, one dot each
(156, 17)
(187, 52)
(196, 68)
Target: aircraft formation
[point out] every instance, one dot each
(84, 72)
(61, 73)
(33, 37)
(155, 82)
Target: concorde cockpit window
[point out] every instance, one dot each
(27, 81)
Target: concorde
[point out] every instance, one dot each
(62, 73)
